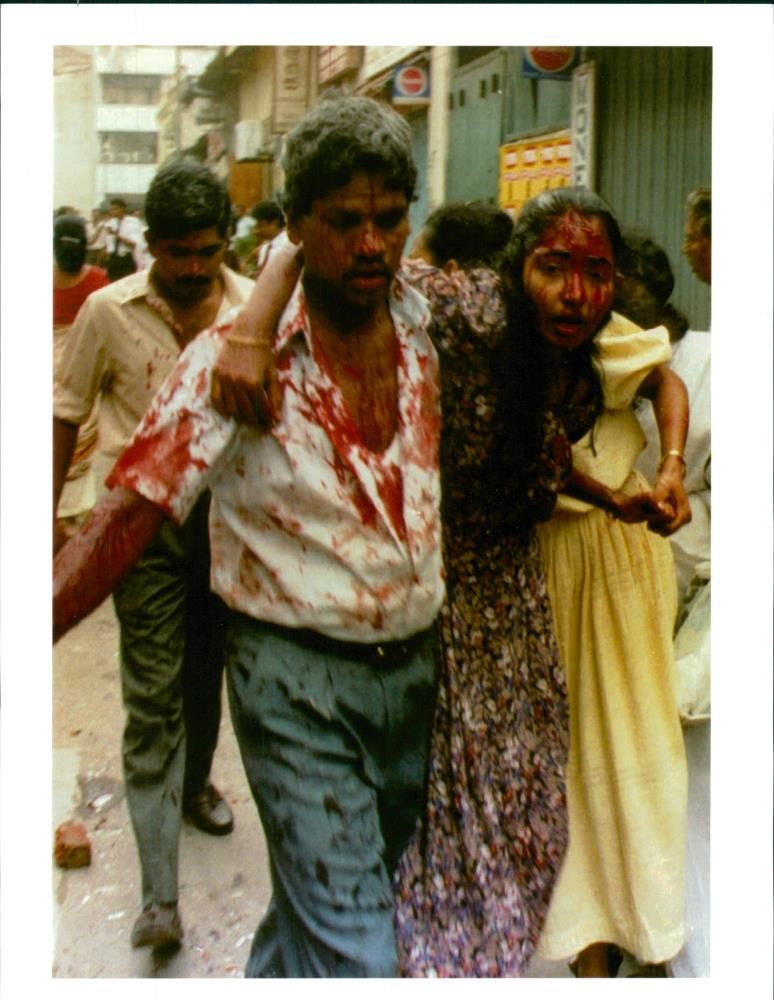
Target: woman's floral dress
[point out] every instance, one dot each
(474, 884)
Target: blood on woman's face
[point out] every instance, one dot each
(569, 276)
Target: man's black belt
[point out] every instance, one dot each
(378, 654)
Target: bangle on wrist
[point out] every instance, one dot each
(673, 452)
(234, 338)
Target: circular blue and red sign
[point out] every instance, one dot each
(551, 59)
(411, 81)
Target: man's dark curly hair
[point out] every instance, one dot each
(341, 136)
(473, 234)
(699, 207)
(183, 197)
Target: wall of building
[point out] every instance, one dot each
(256, 87)
(75, 141)
(128, 180)
(378, 59)
(136, 59)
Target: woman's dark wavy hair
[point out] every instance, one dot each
(472, 233)
(69, 243)
(339, 137)
(523, 367)
(649, 264)
(646, 282)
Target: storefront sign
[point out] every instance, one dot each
(411, 85)
(529, 166)
(550, 63)
(291, 85)
(583, 80)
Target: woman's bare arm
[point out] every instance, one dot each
(667, 392)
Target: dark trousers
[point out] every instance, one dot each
(172, 633)
(334, 740)
(119, 265)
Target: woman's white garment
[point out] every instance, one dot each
(691, 547)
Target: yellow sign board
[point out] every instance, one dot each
(529, 166)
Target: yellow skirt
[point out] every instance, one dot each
(613, 593)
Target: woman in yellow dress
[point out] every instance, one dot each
(611, 580)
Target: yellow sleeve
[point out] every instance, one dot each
(627, 354)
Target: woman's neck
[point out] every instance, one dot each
(66, 279)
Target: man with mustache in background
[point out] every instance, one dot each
(124, 342)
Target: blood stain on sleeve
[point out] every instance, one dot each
(164, 456)
(202, 385)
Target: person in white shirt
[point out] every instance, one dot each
(326, 546)
(124, 240)
(125, 340)
(645, 289)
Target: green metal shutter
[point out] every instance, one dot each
(475, 130)
(654, 146)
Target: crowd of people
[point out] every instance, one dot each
(403, 502)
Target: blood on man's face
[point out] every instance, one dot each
(353, 239)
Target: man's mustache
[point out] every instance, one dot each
(371, 271)
(193, 281)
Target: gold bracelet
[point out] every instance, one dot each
(677, 454)
(234, 338)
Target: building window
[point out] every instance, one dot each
(130, 88)
(482, 88)
(461, 99)
(128, 147)
(495, 83)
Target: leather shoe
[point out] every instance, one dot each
(657, 971)
(208, 811)
(158, 927)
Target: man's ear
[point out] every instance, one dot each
(450, 266)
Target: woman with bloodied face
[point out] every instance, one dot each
(611, 581)
(473, 887)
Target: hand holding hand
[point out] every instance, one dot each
(671, 498)
(634, 507)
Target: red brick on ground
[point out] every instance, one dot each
(72, 847)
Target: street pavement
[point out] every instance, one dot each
(224, 881)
